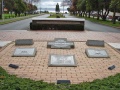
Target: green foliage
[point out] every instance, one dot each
(115, 4)
(16, 19)
(109, 23)
(56, 26)
(81, 5)
(11, 82)
(18, 6)
(53, 15)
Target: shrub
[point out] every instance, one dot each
(57, 26)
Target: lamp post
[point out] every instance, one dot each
(40, 6)
(63, 6)
(2, 10)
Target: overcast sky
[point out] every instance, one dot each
(49, 4)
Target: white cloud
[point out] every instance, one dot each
(47, 4)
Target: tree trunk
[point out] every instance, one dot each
(98, 17)
(114, 19)
(0, 10)
(104, 17)
(15, 14)
(89, 14)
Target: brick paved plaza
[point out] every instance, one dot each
(37, 68)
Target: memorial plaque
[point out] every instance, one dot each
(24, 52)
(96, 53)
(60, 39)
(115, 45)
(60, 43)
(118, 50)
(24, 42)
(95, 43)
(62, 60)
(63, 82)
(4, 43)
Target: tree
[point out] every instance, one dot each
(89, 6)
(0, 9)
(9, 4)
(57, 9)
(105, 4)
(81, 6)
(115, 6)
(19, 7)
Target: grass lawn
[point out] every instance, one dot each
(17, 19)
(54, 15)
(109, 23)
(11, 82)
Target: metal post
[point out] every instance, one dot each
(40, 6)
(2, 10)
(63, 6)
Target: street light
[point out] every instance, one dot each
(63, 6)
(40, 6)
(2, 10)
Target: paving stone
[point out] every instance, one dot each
(24, 52)
(4, 43)
(63, 82)
(24, 42)
(60, 43)
(95, 43)
(62, 60)
(115, 45)
(96, 53)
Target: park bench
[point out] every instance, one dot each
(57, 24)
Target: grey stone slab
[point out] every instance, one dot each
(60, 43)
(24, 52)
(95, 43)
(62, 60)
(56, 19)
(118, 49)
(115, 45)
(4, 43)
(96, 53)
(63, 82)
(24, 42)
(60, 40)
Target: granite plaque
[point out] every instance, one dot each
(4, 43)
(95, 43)
(118, 50)
(96, 53)
(115, 45)
(60, 43)
(60, 39)
(62, 60)
(24, 52)
(63, 82)
(24, 42)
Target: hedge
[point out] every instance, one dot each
(34, 26)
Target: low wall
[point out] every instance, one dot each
(57, 24)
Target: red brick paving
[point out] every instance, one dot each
(37, 68)
(50, 35)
